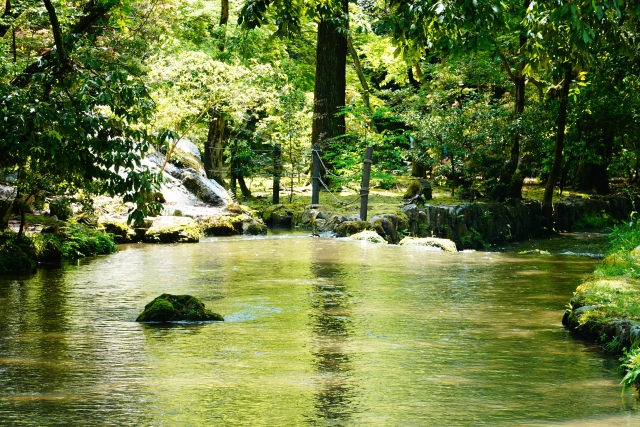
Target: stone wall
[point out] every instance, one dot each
(469, 225)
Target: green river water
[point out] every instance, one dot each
(318, 332)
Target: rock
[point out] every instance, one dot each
(176, 308)
(60, 207)
(204, 189)
(386, 225)
(220, 226)
(278, 216)
(369, 236)
(535, 252)
(185, 146)
(430, 242)
(173, 229)
(418, 190)
(7, 196)
(347, 228)
(253, 227)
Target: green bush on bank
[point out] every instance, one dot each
(16, 254)
(72, 241)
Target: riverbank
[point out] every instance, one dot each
(471, 225)
(606, 307)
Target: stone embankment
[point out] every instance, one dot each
(469, 225)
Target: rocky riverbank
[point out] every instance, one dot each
(469, 225)
(605, 308)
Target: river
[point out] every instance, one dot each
(318, 332)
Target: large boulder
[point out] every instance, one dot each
(278, 216)
(207, 190)
(430, 242)
(177, 308)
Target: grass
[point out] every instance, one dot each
(611, 300)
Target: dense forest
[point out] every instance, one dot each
(478, 95)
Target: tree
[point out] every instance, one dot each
(69, 120)
(331, 50)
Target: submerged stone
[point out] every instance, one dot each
(176, 308)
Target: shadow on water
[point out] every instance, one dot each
(332, 323)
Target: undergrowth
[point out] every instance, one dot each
(599, 220)
(72, 241)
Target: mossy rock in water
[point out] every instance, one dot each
(430, 242)
(176, 308)
(348, 228)
(173, 230)
(369, 236)
(220, 226)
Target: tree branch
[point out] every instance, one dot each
(94, 12)
(57, 33)
(505, 62)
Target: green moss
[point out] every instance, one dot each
(174, 308)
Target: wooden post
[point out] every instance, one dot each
(315, 177)
(277, 153)
(364, 188)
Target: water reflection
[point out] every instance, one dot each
(332, 323)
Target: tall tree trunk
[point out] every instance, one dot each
(224, 20)
(214, 147)
(556, 168)
(361, 77)
(330, 82)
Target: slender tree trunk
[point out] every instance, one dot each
(8, 13)
(330, 82)
(214, 147)
(361, 77)
(547, 203)
(243, 187)
(14, 48)
(224, 20)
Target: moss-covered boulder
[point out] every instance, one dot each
(173, 229)
(218, 226)
(253, 227)
(347, 228)
(177, 308)
(430, 242)
(278, 216)
(369, 236)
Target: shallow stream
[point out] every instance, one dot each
(319, 332)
